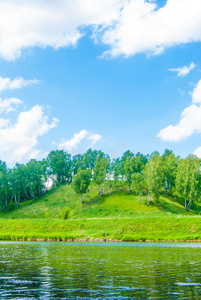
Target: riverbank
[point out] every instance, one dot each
(157, 229)
(116, 217)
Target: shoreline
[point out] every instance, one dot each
(100, 240)
(146, 229)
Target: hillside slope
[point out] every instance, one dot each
(117, 205)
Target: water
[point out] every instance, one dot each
(33, 270)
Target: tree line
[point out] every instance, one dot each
(148, 175)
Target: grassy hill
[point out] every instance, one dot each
(118, 216)
(117, 205)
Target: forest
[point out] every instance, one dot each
(150, 175)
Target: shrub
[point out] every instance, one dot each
(128, 238)
(11, 206)
(65, 213)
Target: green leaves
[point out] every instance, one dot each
(101, 166)
(81, 182)
(188, 178)
(59, 165)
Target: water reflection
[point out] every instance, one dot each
(100, 271)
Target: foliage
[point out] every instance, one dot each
(100, 170)
(149, 174)
(59, 166)
(65, 213)
(81, 182)
(153, 176)
(188, 179)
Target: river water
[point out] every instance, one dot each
(58, 270)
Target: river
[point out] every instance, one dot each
(59, 270)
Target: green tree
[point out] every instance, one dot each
(81, 182)
(153, 177)
(128, 171)
(4, 186)
(100, 170)
(188, 179)
(59, 166)
(77, 163)
(34, 178)
(89, 158)
(169, 166)
(132, 165)
(115, 172)
(137, 184)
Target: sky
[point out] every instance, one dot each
(102, 74)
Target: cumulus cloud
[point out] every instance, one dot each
(196, 94)
(8, 84)
(182, 71)
(197, 152)
(9, 104)
(19, 141)
(54, 23)
(189, 123)
(94, 138)
(71, 144)
(143, 27)
(4, 123)
(126, 26)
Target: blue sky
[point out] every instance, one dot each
(105, 75)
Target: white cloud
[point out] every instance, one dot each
(182, 71)
(9, 104)
(197, 152)
(8, 84)
(4, 123)
(126, 26)
(189, 123)
(94, 138)
(69, 145)
(19, 141)
(54, 23)
(72, 144)
(196, 94)
(143, 27)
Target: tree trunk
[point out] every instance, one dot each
(148, 199)
(82, 199)
(102, 191)
(111, 187)
(139, 198)
(187, 204)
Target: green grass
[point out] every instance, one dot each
(136, 229)
(119, 216)
(119, 205)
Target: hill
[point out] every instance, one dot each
(118, 216)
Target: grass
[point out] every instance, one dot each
(119, 216)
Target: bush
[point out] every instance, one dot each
(11, 206)
(65, 213)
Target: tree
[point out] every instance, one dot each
(4, 187)
(153, 177)
(81, 183)
(100, 170)
(137, 184)
(128, 171)
(89, 158)
(77, 163)
(169, 166)
(59, 166)
(188, 179)
(115, 170)
(34, 178)
(132, 165)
